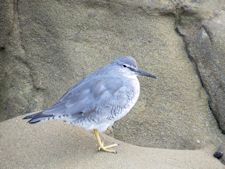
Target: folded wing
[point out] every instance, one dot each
(93, 99)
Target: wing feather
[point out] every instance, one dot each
(86, 97)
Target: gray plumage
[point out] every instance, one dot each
(100, 99)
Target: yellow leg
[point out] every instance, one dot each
(101, 144)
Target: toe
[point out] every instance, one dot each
(106, 149)
(110, 146)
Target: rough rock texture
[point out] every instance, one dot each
(46, 46)
(55, 145)
(205, 45)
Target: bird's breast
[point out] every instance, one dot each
(135, 87)
(129, 93)
(126, 98)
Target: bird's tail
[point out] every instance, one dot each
(37, 117)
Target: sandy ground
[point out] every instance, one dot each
(58, 145)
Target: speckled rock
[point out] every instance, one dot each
(206, 48)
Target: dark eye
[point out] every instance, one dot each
(124, 65)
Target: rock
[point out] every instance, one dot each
(58, 145)
(52, 45)
(205, 47)
(214, 75)
(219, 154)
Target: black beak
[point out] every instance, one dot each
(143, 73)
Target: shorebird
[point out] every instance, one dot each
(98, 100)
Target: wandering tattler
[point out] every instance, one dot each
(98, 100)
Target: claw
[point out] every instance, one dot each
(112, 145)
(101, 144)
(106, 149)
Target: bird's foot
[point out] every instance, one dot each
(107, 148)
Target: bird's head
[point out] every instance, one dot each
(128, 65)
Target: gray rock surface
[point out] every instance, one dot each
(55, 145)
(47, 46)
(205, 45)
